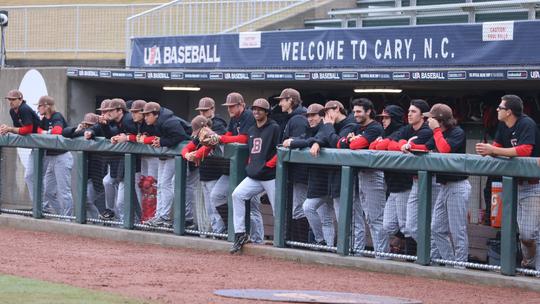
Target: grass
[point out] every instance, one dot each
(21, 290)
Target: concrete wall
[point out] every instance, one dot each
(13, 190)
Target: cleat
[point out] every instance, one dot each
(239, 240)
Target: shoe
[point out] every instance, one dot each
(239, 240)
(189, 224)
(159, 222)
(107, 215)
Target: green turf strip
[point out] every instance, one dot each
(21, 290)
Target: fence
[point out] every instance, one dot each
(196, 17)
(425, 165)
(47, 30)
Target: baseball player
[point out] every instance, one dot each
(120, 122)
(260, 170)
(372, 192)
(517, 136)
(164, 132)
(110, 180)
(95, 194)
(398, 184)
(317, 189)
(416, 132)
(241, 120)
(57, 179)
(450, 209)
(295, 124)
(200, 127)
(211, 168)
(25, 121)
(130, 126)
(336, 125)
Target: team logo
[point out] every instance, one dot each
(535, 74)
(257, 145)
(513, 142)
(152, 55)
(416, 75)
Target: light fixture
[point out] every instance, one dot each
(171, 88)
(378, 90)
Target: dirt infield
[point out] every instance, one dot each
(171, 275)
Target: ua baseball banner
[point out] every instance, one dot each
(463, 45)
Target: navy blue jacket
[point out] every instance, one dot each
(329, 137)
(317, 176)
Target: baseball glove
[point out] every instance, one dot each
(207, 137)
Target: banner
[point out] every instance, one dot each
(463, 45)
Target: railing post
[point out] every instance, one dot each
(37, 190)
(424, 218)
(280, 220)
(237, 172)
(129, 190)
(509, 227)
(345, 210)
(179, 202)
(82, 180)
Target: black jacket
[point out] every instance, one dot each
(317, 176)
(171, 130)
(329, 137)
(219, 125)
(97, 168)
(213, 167)
(295, 127)
(296, 124)
(262, 145)
(396, 181)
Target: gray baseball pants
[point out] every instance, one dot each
(372, 194)
(528, 218)
(29, 179)
(395, 212)
(411, 224)
(57, 183)
(319, 212)
(246, 190)
(450, 219)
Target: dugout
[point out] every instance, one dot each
(459, 65)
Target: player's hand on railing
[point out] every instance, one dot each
(315, 149)
(287, 142)
(88, 135)
(4, 129)
(484, 149)
(156, 142)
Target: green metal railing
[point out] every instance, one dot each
(81, 147)
(424, 164)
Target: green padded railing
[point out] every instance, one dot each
(425, 165)
(39, 143)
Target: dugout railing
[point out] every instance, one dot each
(237, 155)
(424, 164)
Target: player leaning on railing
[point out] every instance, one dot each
(164, 132)
(371, 190)
(25, 121)
(449, 215)
(321, 219)
(517, 136)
